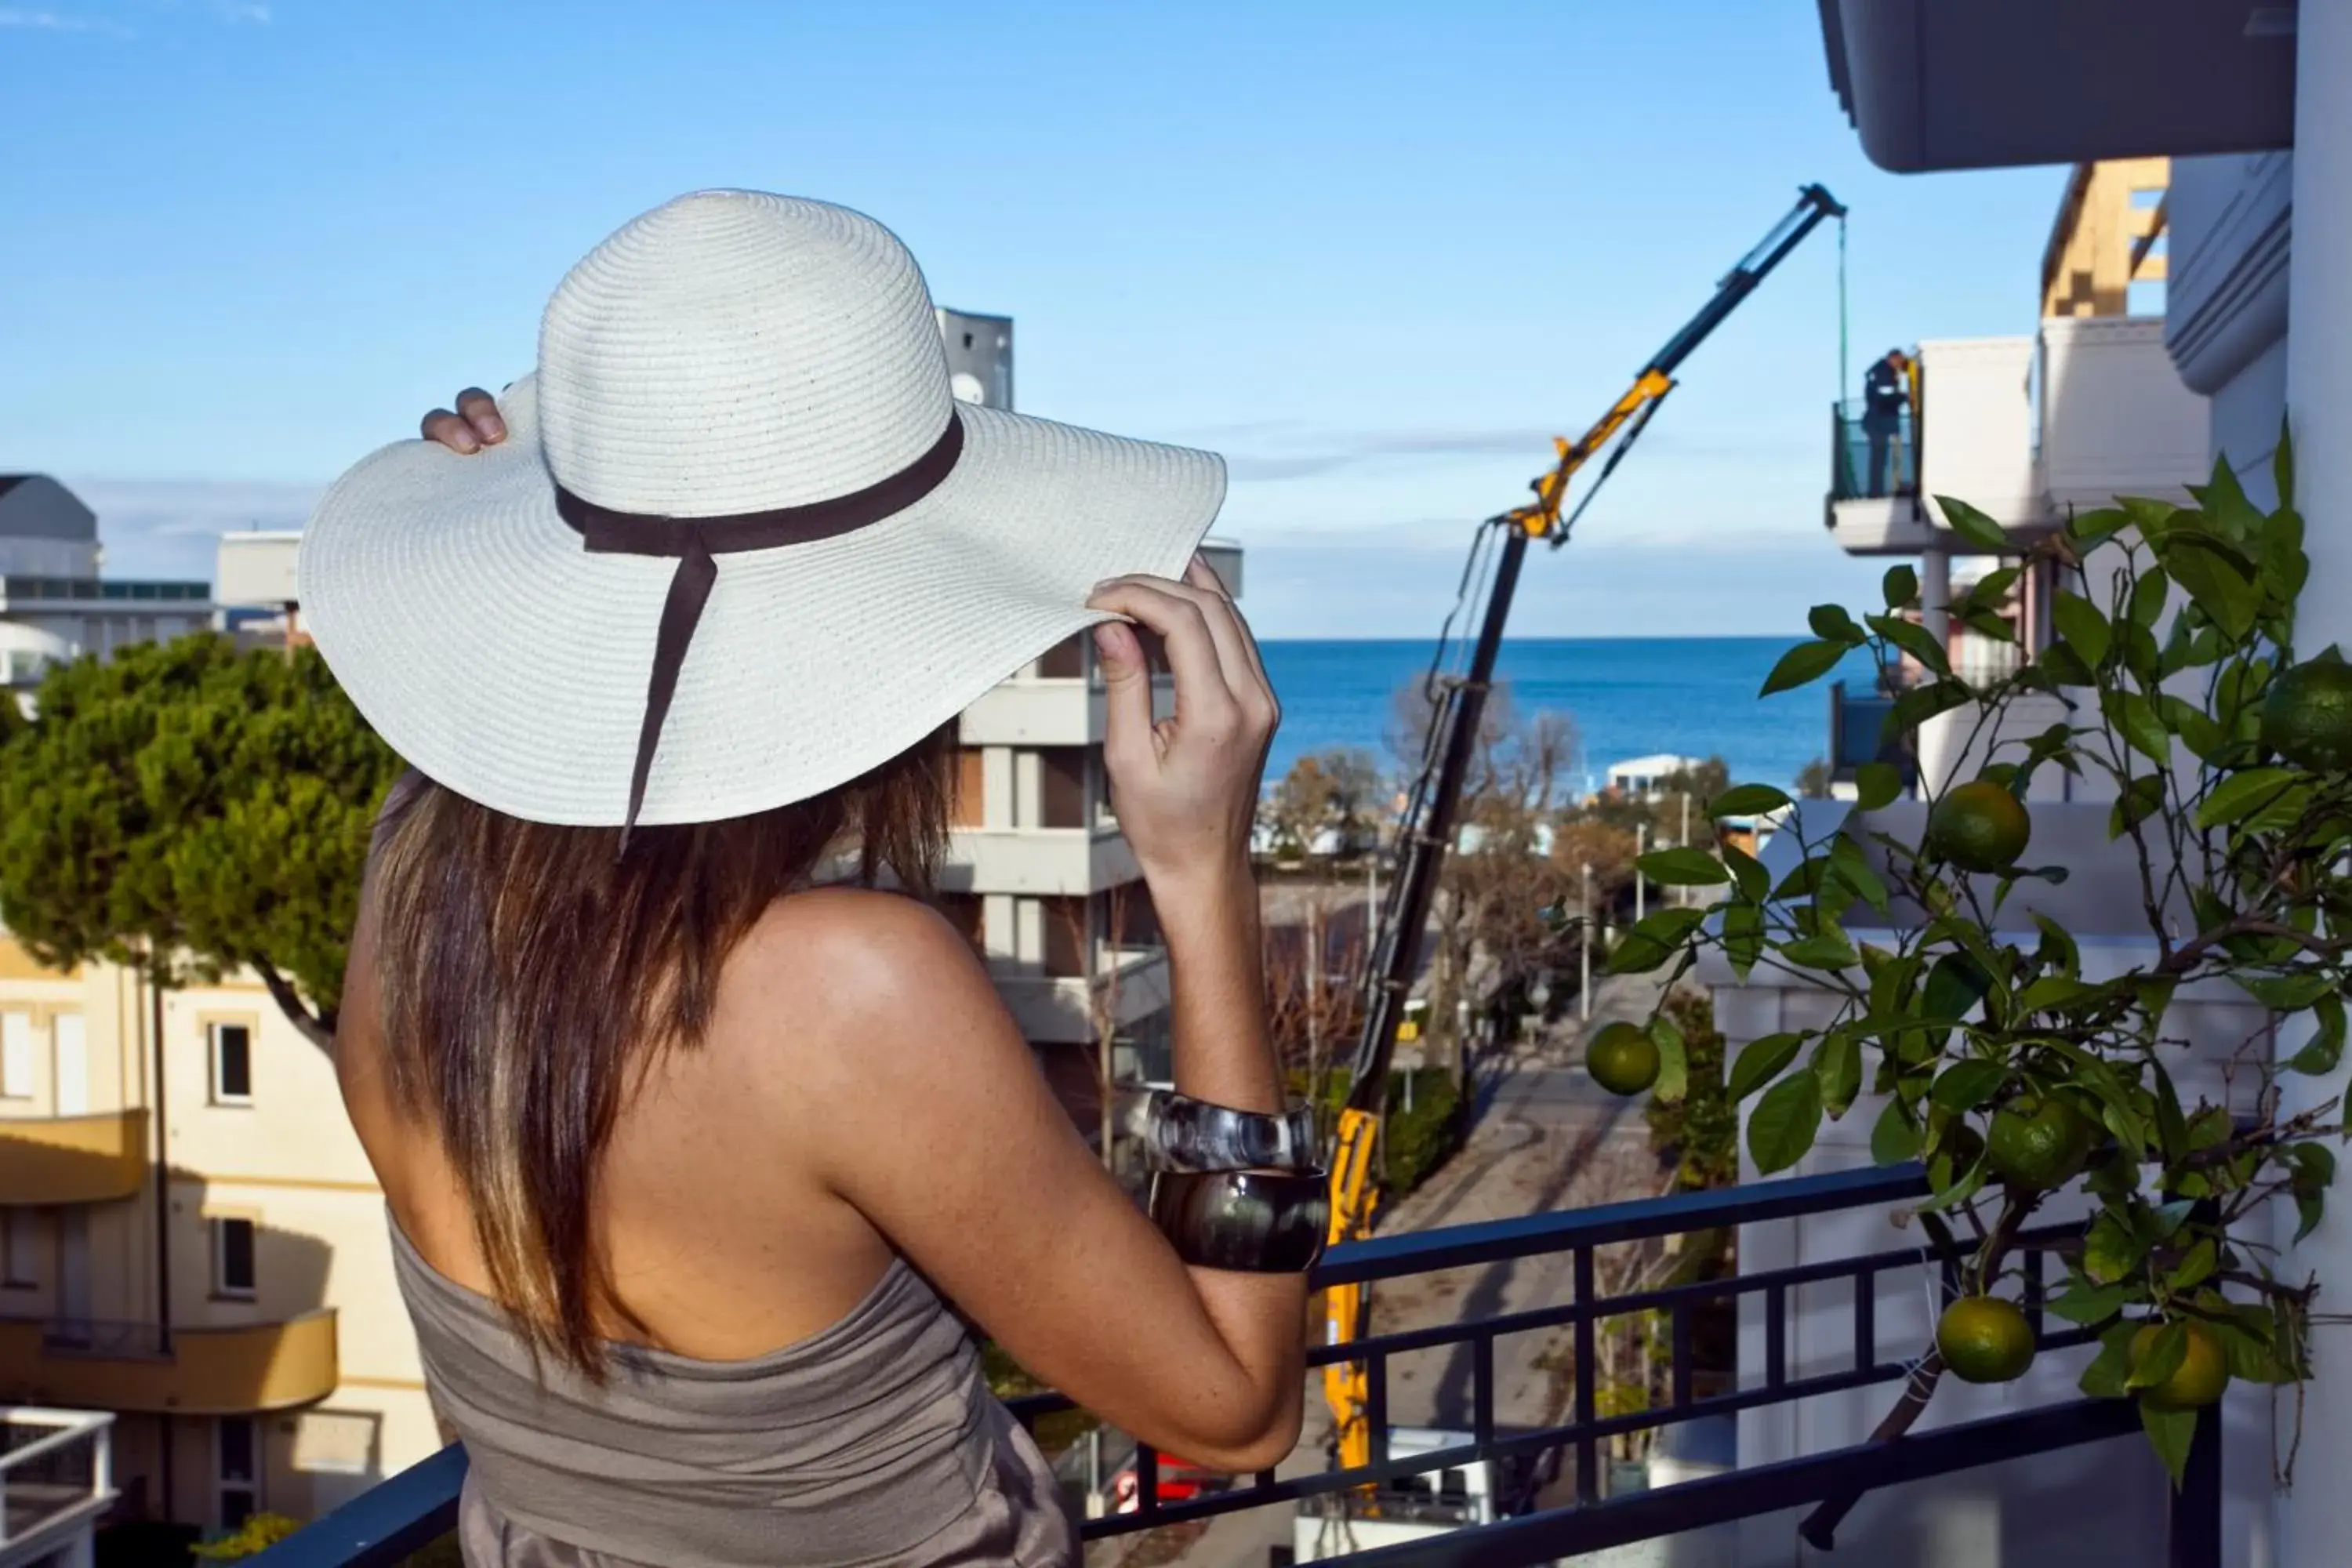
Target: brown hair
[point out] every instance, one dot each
(530, 974)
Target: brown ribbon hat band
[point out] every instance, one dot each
(696, 541)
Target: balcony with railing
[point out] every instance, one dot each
(24, 593)
(89, 1159)
(1549, 1502)
(56, 1479)
(212, 1370)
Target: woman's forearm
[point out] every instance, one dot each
(1217, 986)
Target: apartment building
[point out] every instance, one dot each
(2027, 428)
(53, 603)
(191, 1239)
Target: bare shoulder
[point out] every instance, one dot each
(861, 978)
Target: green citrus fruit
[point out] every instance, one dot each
(2038, 1145)
(2197, 1381)
(1979, 827)
(2307, 717)
(1622, 1059)
(1984, 1339)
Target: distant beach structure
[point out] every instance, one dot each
(1644, 777)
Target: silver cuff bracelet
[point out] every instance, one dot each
(1256, 1222)
(1182, 1133)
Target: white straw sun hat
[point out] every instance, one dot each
(738, 468)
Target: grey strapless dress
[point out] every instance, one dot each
(874, 1442)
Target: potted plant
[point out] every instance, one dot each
(1997, 1056)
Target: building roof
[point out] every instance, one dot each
(1654, 766)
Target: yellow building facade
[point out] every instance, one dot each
(191, 1237)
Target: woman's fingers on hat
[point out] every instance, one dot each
(1202, 692)
(1200, 575)
(1127, 696)
(1237, 658)
(452, 430)
(481, 411)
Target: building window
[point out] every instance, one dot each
(1067, 933)
(20, 1250)
(233, 1272)
(17, 1056)
(232, 1054)
(236, 1450)
(1065, 660)
(1127, 917)
(970, 807)
(1061, 786)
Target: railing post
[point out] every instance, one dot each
(2196, 1523)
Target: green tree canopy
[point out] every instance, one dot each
(191, 809)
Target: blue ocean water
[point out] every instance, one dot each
(1629, 697)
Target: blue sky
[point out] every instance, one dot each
(1377, 254)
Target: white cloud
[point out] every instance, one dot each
(60, 21)
(172, 528)
(234, 12)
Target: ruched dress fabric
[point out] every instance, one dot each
(873, 1442)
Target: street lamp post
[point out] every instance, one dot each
(1584, 954)
(1640, 847)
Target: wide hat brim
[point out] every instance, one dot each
(491, 650)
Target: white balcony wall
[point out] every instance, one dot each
(1035, 860)
(1977, 426)
(2116, 419)
(1062, 1009)
(1035, 713)
(2027, 1513)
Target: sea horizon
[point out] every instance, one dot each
(1627, 696)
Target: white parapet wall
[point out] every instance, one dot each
(2101, 1505)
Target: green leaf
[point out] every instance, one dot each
(1652, 942)
(1846, 860)
(1673, 1060)
(1823, 950)
(1974, 526)
(2325, 1046)
(1807, 661)
(1755, 882)
(1831, 624)
(2079, 622)
(1955, 984)
(1913, 638)
(1837, 1063)
(1746, 800)
(2053, 991)
(1894, 1138)
(1899, 587)
(2195, 1267)
(1785, 1121)
(2170, 1433)
(2103, 1378)
(2213, 582)
(2286, 993)
(2161, 1360)
(2090, 527)
(1759, 1061)
(2111, 1249)
(1968, 1084)
(1876, 784)
(1743, 937)
(1683, 868)
(2083, 1302)
(2148, 597)
(2242, 794)
(2136, 719)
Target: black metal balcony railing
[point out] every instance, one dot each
(415, 1507)
(1858, 734)
(1858, 466)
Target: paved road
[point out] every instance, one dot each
(1549, 1138)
